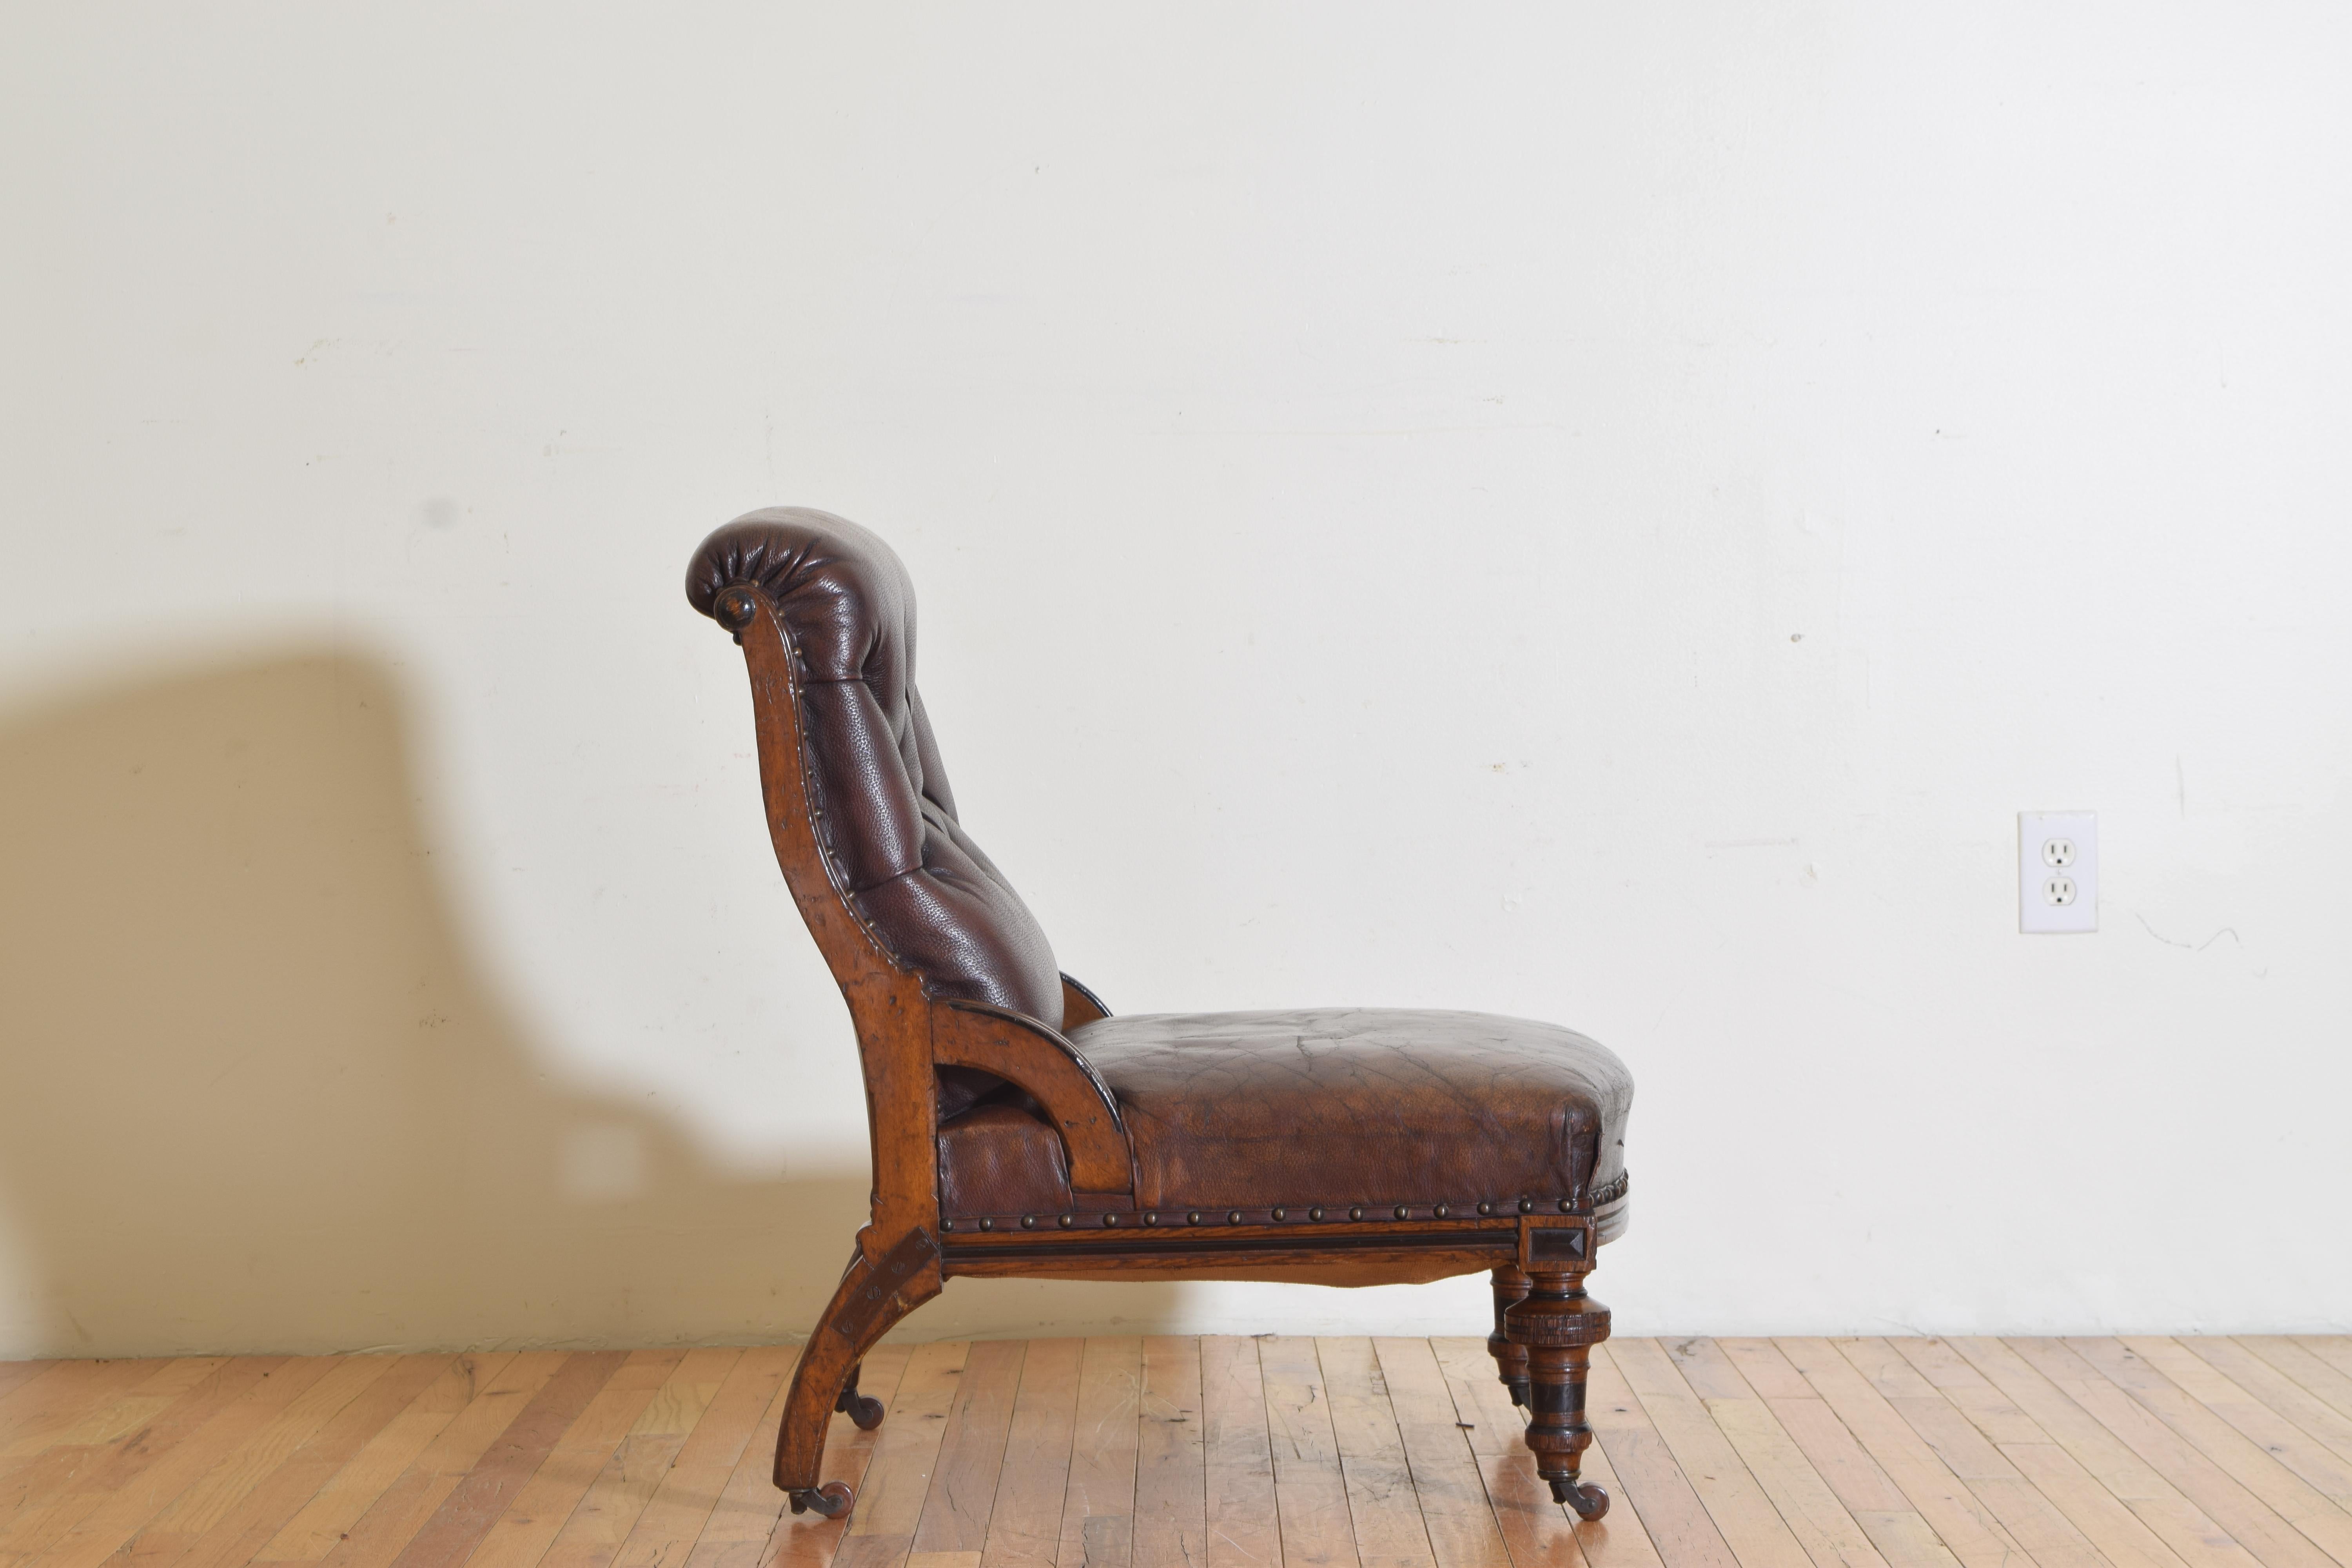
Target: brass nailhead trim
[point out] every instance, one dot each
(1241, 1216)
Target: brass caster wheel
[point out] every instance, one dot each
(863, 1409)
(831, 1500)
(1589, 1501)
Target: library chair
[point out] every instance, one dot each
(1020, 1128)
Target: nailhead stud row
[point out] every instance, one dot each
(1234, 1216)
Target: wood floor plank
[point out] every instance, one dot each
(49, 1405)
(2314, 1375)
(15, 1374)
(1964, 1524)
(1383, 1507)
(2335, 1350)
(1899, 1532)
(1310, 1493)
(329, 1517)
(808, 1539)
(2308, 1437)
(1457, 1516)
(212, 1516)
(121, 1527)
(1243, 1528)
(1808, 1505)
(1098, 1503)
(2190, 1534)
(1182, 1453)
(2294, 1500)
(717, 1417)
(1651, 1479)
(1025, 1521)
(971, 1449)
(2030, 1518)
(2269, 1536)
(1535, 1529)
(898, 1478)
(1171, 1464)
(466, 1515)
(502, 1391)
(284, 1490)
(521, 1534)
(748, 1503)
(1750, 1525)
(2118, 1534)
(132, 1474)
(168, 1383)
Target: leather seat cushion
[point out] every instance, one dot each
(1354, 1106)
(1331, 1107)
(1321, 1107)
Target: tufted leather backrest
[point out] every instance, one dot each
(888, 824)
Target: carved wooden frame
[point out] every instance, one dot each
(905, 1254)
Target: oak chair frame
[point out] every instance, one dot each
(1545, 1323)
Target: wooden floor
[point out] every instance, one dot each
(1185, 1453)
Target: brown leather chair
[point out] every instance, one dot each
(1020, 1129)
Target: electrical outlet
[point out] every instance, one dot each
(2057, 871)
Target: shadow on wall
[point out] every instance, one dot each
(255, 1098)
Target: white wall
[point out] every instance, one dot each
(1598, 514)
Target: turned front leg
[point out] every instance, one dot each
(1557, 1325)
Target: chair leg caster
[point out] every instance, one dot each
(1589, 1501)
(831, 1500)
(861, 1409)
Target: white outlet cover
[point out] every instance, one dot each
(2057, 871)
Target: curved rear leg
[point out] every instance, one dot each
(1510, 1360)
(871, 1298)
